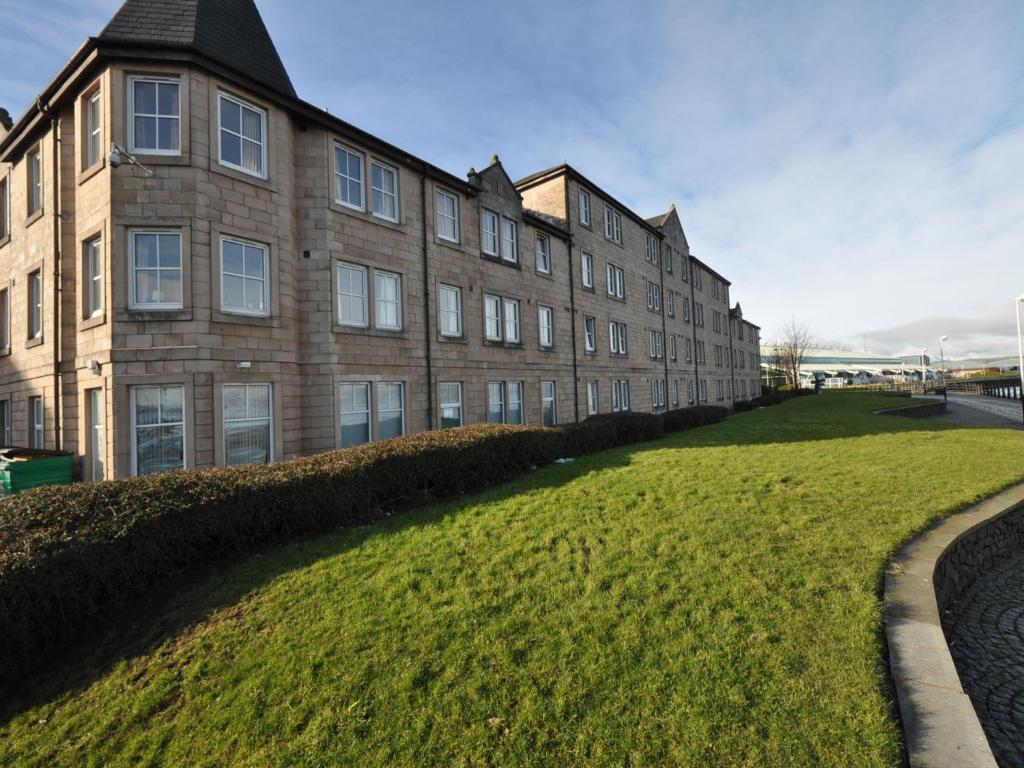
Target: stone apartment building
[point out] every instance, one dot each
(267, 280)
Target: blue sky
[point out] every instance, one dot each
(857, 165)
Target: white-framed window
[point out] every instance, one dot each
(512, 333)
(543, 254)
(703, 390)
(698, 314)
(93, 128)
(35, 304)
(447, 218)
(5, 319)
(698, 281)
(248, 428)
(450, 396)
(672, 347)
(387, 300)
(651, 248)
(684, 271)
(584, 207)
(35, 181)
(244, 287)
(35, 422)
(348, 177)
(666, 251)
(492, 317)
(93, 277)
(587, 269)
(593, 403)
(686, 309)
(590, 333)
(720, 389)
(489, 232)
(352, 295)
(5, 208)
(154, 115)
(5, 424)
(718, 355)
(158, 428)
(620, 395)
(657, 345)
(616, 281)
(715, 289)
(515, 403)
(670, 298)
(612, 224)
(355, 413)
(653, 296)
(675, 392)
(495, 402)
(546, 326)
(658, 393)
(449, 308)
(243, 135)
(156, 272)
(509, 241)
(716, 321)
(548, 404)
(617, 338)
(390, 410)
(384, 185)
(689, 350)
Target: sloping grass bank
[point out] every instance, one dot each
(708, 599)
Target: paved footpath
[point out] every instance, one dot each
(985, 631)
(981, 411)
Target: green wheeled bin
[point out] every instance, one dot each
(23, 468)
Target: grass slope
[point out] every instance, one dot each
(710, 599)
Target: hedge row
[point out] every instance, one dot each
(70, 553)
(771, 397)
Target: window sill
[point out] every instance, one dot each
(587, 288)
(143, 315)
(452, 339)
(238, 175)
(87, 173)
(92, 322)
(545, 275)
(503, 344)
(32, 219)
(499, 260)
(363, 215)
(220, 316)
(38, 340)
(548, 350)
(616, 298)
(455, 245)
(146, 157)
(362, 330)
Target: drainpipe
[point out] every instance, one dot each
(732, 355)
(429, 327)
(55, 279)
(664, 326)
(693, 328)
(572, 309)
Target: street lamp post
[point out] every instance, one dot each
(942, 362)
(1020, 354)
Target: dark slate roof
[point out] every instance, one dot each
(230, 32)
(659, 221)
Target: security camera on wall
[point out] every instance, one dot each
(114, 159)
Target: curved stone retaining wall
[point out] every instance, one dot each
(935, 568)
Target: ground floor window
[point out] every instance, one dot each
(451, 404)
(5, 423)
(495, 402)
(390, 410)
(548, 408)
(592, 401)
(689, 391)
(35, 422)
(158, 428)
(515, 403)
(675, 392)
(620, 395)
(96, 439)
(658, 393)
(355, 414)
(247, 424)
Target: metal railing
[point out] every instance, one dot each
(1007, 388)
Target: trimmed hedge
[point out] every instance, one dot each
(696, 416)
(69, 554)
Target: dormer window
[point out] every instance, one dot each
(154, 110)
(243, 144)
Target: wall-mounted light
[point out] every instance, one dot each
(119, 154)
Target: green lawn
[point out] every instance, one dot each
(709, 600)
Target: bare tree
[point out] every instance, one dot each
(793, 344)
